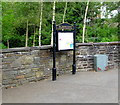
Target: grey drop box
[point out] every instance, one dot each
(100, 62)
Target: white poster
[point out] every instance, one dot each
(65, 40)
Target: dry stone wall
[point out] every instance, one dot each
(24, 65)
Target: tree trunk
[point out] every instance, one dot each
(8, 44)
(64, 12)
(84, 26)
(26, 44)
(34, 37)
(41, 10)
(53, 19)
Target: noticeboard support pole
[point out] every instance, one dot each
(54, 53)
(74, 62)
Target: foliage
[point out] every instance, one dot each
(2, 46)
(16, 14)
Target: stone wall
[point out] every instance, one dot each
(23, 65)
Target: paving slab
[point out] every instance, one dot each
(84, 87)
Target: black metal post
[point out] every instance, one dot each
(74, 62)
(54, 52)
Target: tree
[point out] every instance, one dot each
(40, 22)
(34, 36)
(21, 22)
(24, 12)
(85, 22)
(7, 23)
(53, 19)
(64, 12)
(26, 42)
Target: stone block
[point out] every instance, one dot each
(80, 67)
(10, 86)
(69, 67)
(10, 54)
(39, 74)
(9, 74)
(6, 63)
(5, 82)
(20, 77)
(35, 69)
(37, 60)
(23, 81)
(10, 82)
(90, 69)
(44, 61)
(30, 74)
(63, 58)
(44, 53)
(32, 66)
(23, 71)
(14, 82)
(1, 55)
(85, 65)
(50, 63)
(69, 63)
(26, 59)
(32, 79)
(25, 53)
(19, 54)
(16, 63)
(9, 60)
(35, 52)
(4, 67)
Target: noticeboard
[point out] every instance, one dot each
(65, 41)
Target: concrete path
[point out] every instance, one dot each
(0, 86)
(84, 87)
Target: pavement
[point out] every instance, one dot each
(0, 87)
(84, 87)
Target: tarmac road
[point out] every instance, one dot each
(84, 87)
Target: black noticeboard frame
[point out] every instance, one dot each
(65, 28)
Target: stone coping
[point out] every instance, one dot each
(26, 49)
(45, 47)
(101, 43)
